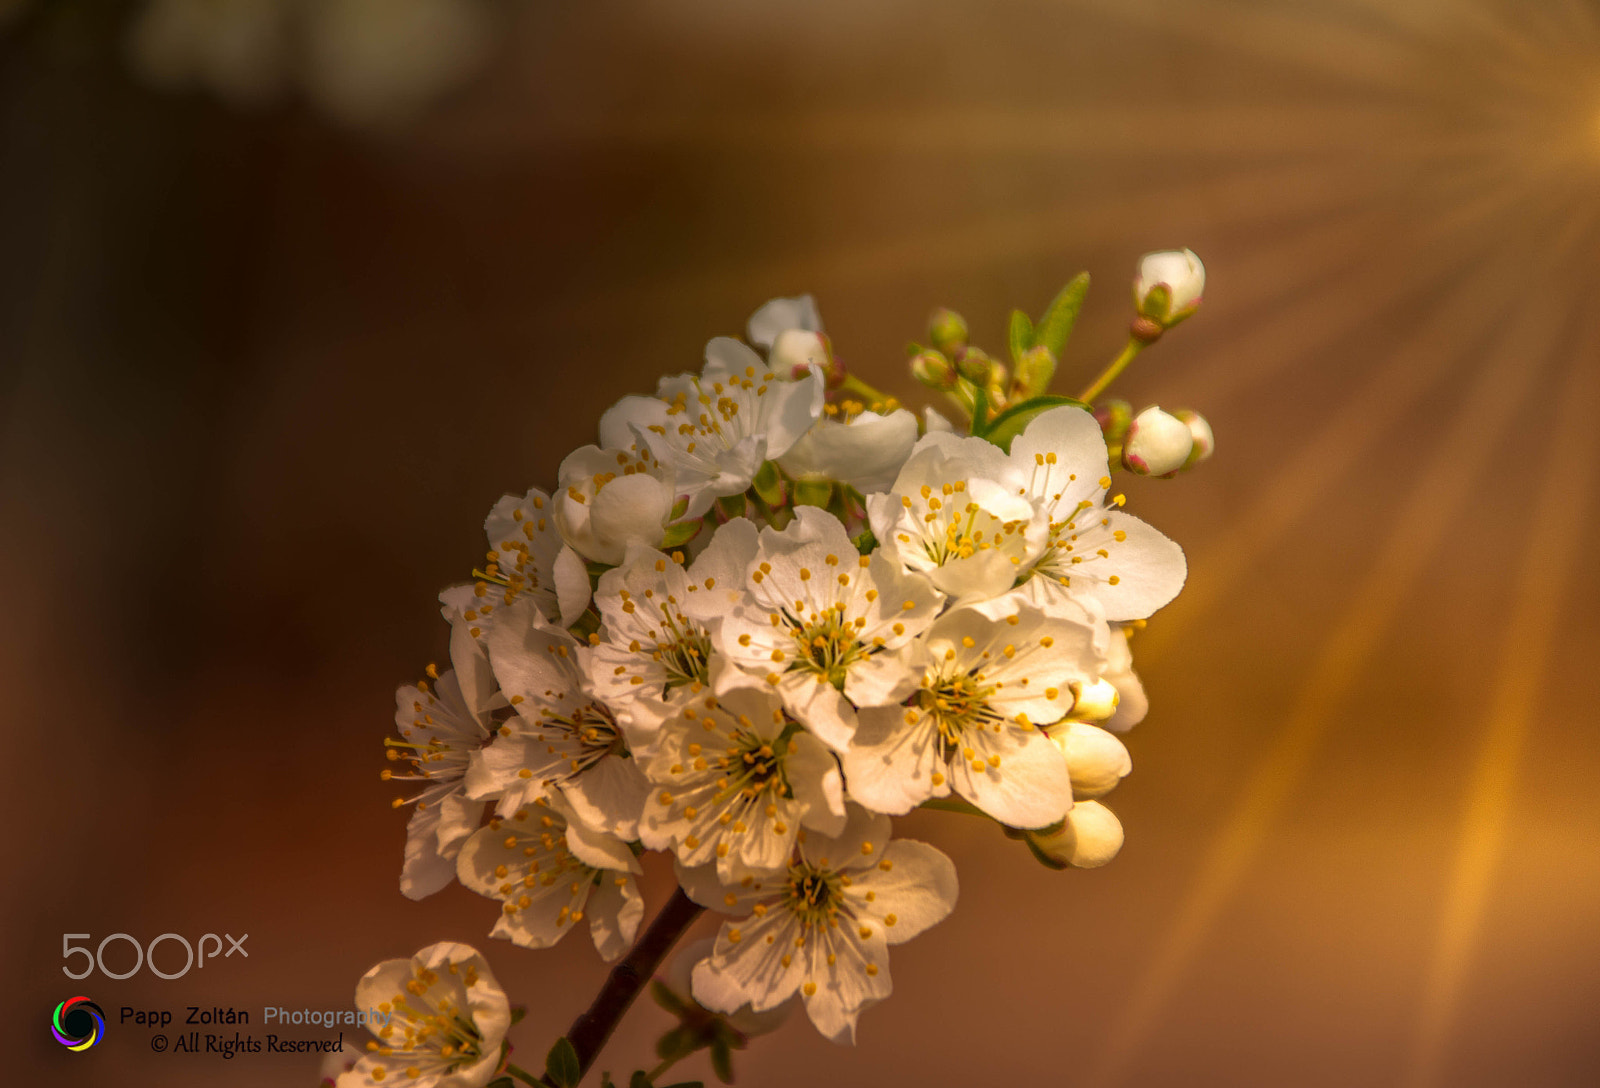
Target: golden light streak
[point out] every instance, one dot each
(1438, 491)
(1553, 537)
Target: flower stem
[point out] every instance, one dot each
(591, 1030)
(853, 384)
(521, 1074)
(1109, 374)
(666, 1063)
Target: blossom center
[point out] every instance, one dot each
(814, 895)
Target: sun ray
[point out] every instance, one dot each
(1439, 490)
(1553, 537)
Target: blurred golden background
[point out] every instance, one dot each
(268, 354)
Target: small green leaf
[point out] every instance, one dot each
(1014, 420)
(518, 1013)
(681, 533)
(640, 1079)
(722, 1061)
(1056, 325)
(769, 483)
(561, 1065)
(1021, 335)
(664, 997)
(605, 1080)
(813, 493)
(501, 1082)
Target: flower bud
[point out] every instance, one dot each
(1034, 371)
(1095, 700)
(1114, 416)
(1199, 430)
(975, 366)
(1157, 443)
(1096, 760)
(933, 370)
(948, 331)
(1168, 286)
(799, 349)
(1090, 837)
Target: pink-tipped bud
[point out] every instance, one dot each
(1168, 286)
(1114, 416)
(1199, 430)
(1157, 443)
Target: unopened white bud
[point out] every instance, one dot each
(1157, 443)
(1096, 760)
(1090, 837)
(1094, 700)
(1168, 286)
(1200, 431)
(799, 348)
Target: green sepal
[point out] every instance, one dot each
(1021, 335)
(722, 1061)
(768, 484)
(732, 506)
(1014, 420)
(1055, 327)
(518, 1012)
(813, 493)
(681, 533)
(561, 1064)
(662, 995)
(679, 508)
(676, 1043)
(1042, 858)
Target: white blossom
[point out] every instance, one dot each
(714, 430)
(560, 734)
(449, 1017)
(1094, 554)
(610, 500)
(442, 732)
(526, 558)
(853, 445)
(959, 514)
(655, 628)
(734, 781)
(972, 726)
(782, 315)
(826, 626)
(549, 872)
(821, 927)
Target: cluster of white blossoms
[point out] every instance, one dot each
(770, 610)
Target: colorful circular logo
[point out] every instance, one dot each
(78, 1023)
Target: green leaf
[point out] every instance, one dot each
(813, 493)
(1021, 335)
(769, 483)
(1014, 420)
(640, 1079)
(501, 1082)
(518, 1013)
(722, 1061)
(681, 533)
(1056, 325)
(561, 1065)
(666, 998)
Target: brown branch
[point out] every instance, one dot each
(591, 1030)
